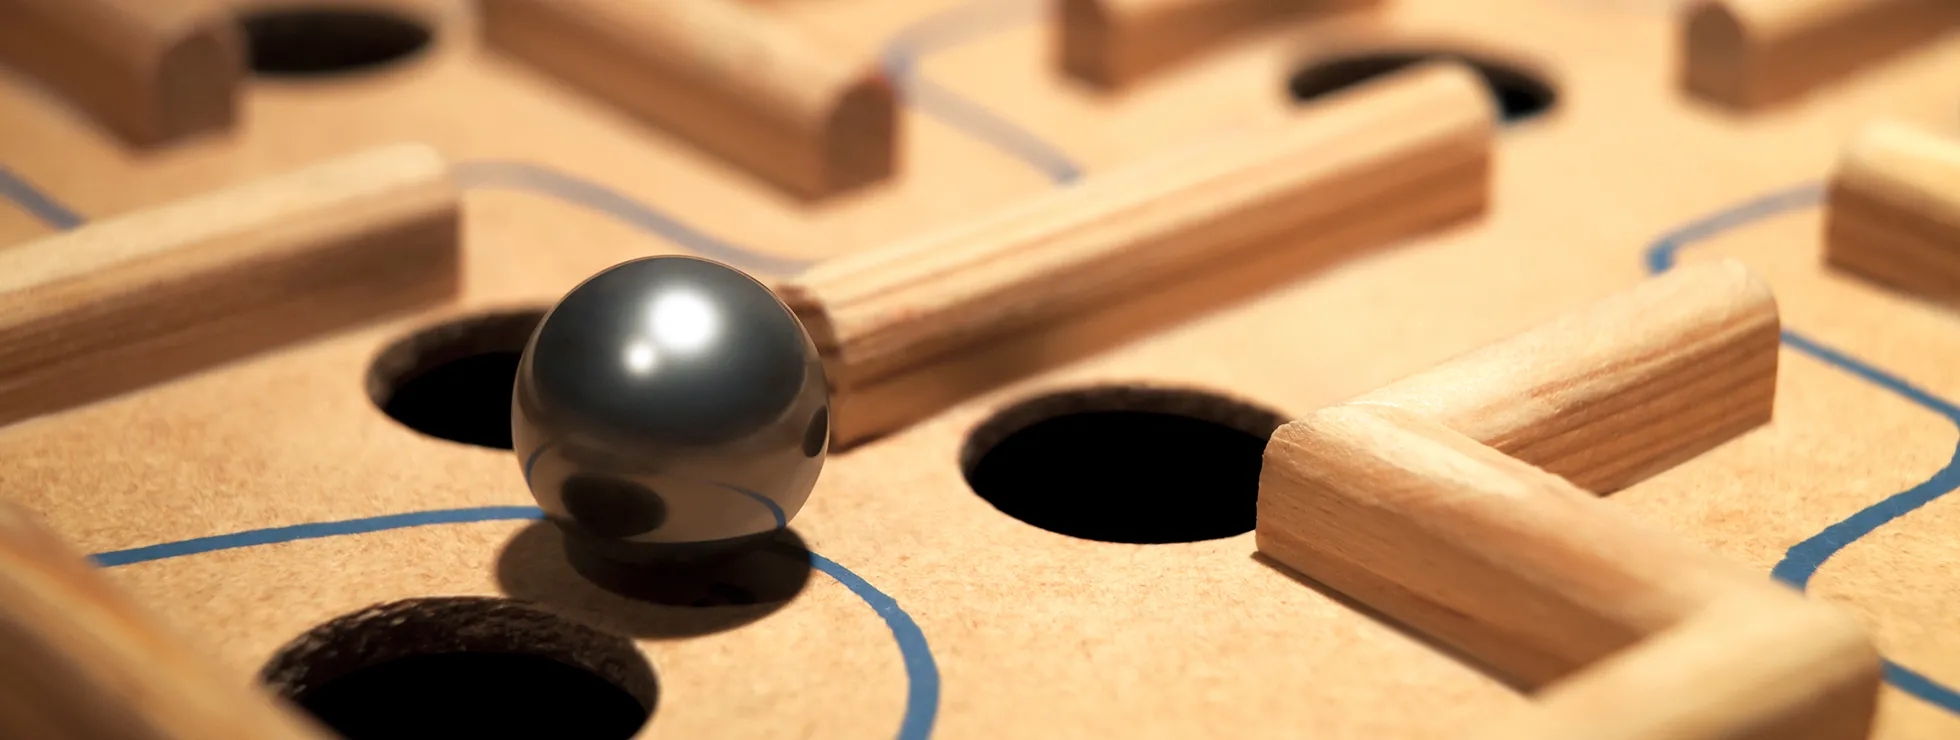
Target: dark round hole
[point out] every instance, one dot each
(1520, 94)
(315, 42)
(610, 507)
(465, 667)
(817, 433)
(1134, 465)
(454, 381)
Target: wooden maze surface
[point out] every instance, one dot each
(930, 611)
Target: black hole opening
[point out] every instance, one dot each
(454, 381)
(1143, 466)
(318, 42)
(465, 667)
(1520, 94)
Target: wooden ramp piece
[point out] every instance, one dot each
(1892, 213)
(721, 74)
(127, 302)
(1749, 54)
(1406, 501)
(911, 328)
(1113, 43)
(85, 662)
(151, 72)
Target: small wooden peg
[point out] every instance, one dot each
(151, 295)
(84, 662)
(721, 74)
(1619, 390)
(1754, 668)
(150, 72)
(1892, 213)
(1114, 43)
(911, 328)
(1749, 54)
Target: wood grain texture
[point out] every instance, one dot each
(1637, 633)
(85, 662)
(152, 72)
(1766, 667)
(1032, 633)
(1892, 212)
(1112, 44)
(1509, 564)
(1614, 392)
(911, 328)
(130, 301)
(1749, 54)
(726, 77)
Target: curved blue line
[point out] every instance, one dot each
(922, 674)
(564, 187)
(1802, 560)
(951, 28)
(35, 202)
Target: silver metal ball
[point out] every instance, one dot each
(670, 406)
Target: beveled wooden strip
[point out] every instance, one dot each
(913, 327)
(1619, 390)
(1114, 43)
(1773, 667)
(83, 661)
(155, 294)
(1505, 562)
(723, 75)
(149, 71)
(1892, 213)
(1748, 54)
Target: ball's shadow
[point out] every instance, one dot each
(536, 565)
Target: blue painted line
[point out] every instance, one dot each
(1803, 559)
(922, 674)
(35, 202)
(954, 27)
(319, 530)
(539, 180)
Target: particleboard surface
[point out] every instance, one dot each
(1031, 634)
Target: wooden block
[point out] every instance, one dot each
(1502, 561)
(911, 328)
(1113, 43)
(159, 293)
(1748, 54)
(151, 72)
(85, 662)
(1405, 501)
(1744, 669)
(1610, 394)
(1892, 212)
(726, 76)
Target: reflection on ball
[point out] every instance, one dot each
(670, 407)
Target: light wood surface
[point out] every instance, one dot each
(1893, 213)
(730, 78)
(150, 71)
(1749, 54)
(1112, 44)
(1521, 570)
(913, 327)
(1620, 390)
(1742, 669)
(1029, 633)
(163, 292)
(85, 662)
